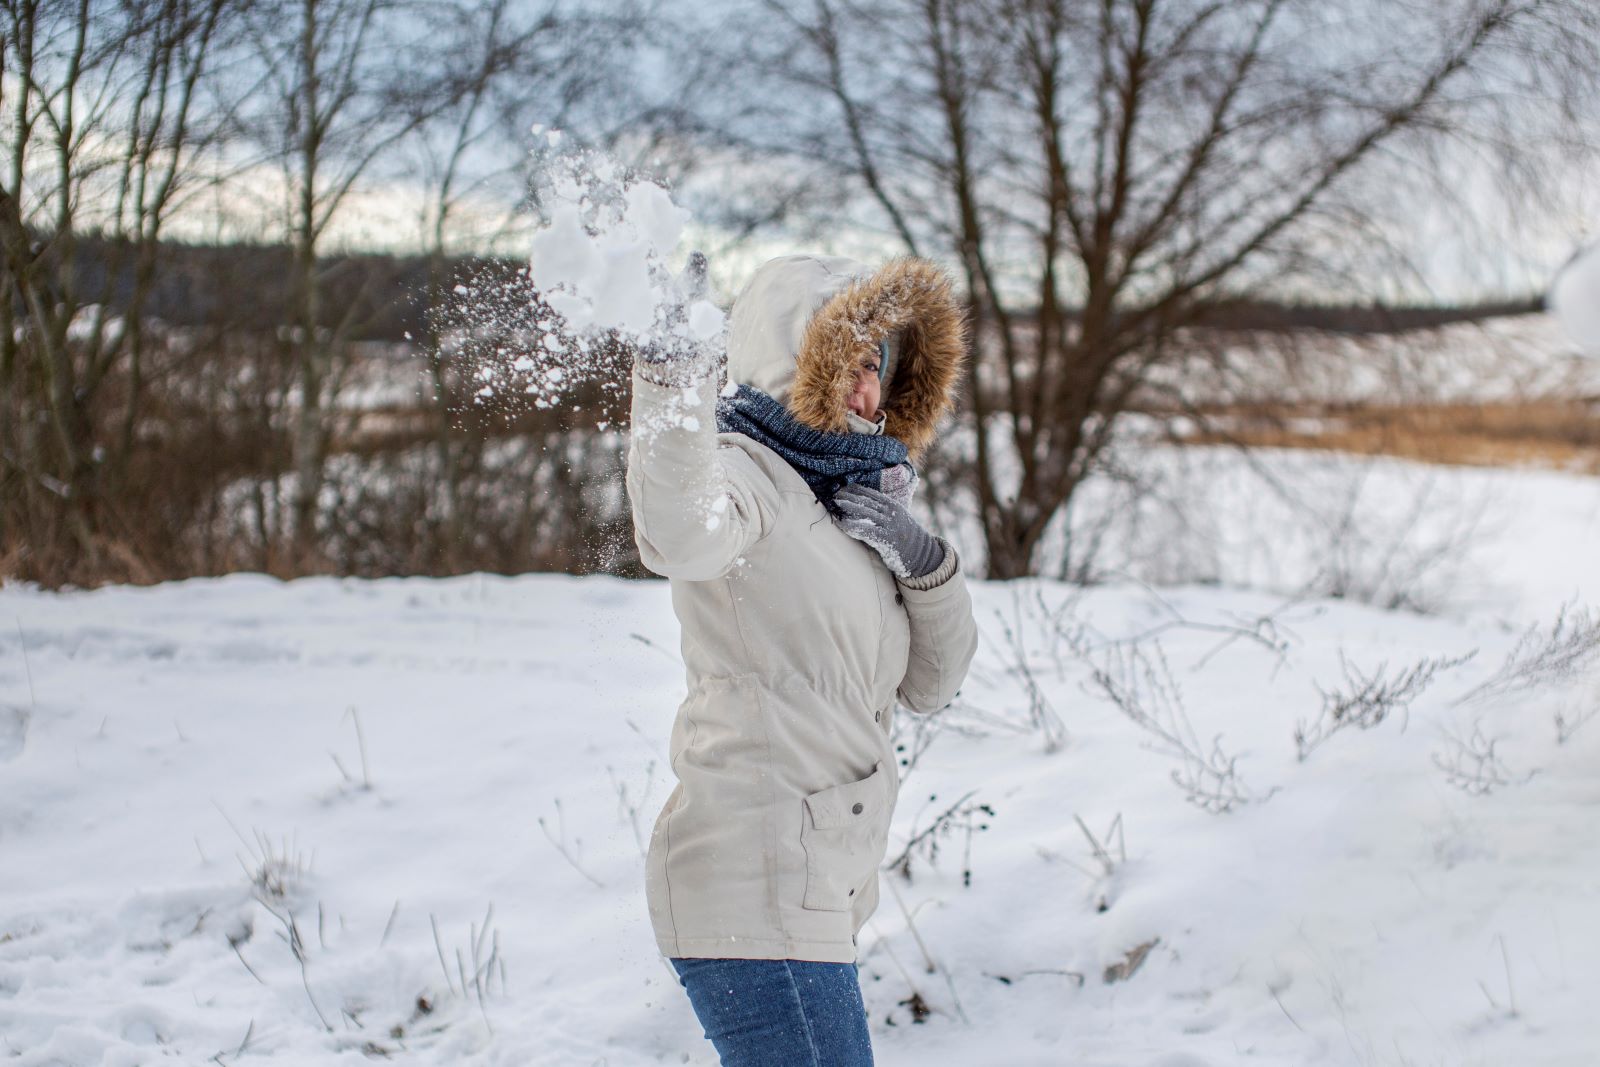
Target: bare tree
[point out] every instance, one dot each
(105, 132)
(334, 101)
(507, 68)
(1107, 174)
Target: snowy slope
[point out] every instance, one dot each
(182, 780)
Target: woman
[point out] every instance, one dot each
(799, 634)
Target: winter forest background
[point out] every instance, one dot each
(1281, 475)
(259, 254)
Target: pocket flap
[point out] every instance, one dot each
(848, 804)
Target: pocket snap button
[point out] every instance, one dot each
(877, 716)
(855, 809)
(899, 598)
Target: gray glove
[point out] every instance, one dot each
(883, 525)
(671, 365)
(670, 359)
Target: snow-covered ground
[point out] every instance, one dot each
(1514, 543)
(327, 820)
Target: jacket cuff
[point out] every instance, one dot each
(939, 575)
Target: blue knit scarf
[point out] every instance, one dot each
(827, 461)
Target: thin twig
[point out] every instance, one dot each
(561, 846)
(393, 912)
(1094, 844)
(1285, 1010)
(902, 862)
(927, 957)
(335, 757)
(235, 946)
(439, 946)
(1505, 956)
(297, 946)
(361, 744)
(22, 642)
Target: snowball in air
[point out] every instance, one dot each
(564, 255)
(659, 221)
(598, 280)
(705, 320)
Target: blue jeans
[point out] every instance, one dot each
(779, 1013)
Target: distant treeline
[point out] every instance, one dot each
(385, 296)
(251, 286)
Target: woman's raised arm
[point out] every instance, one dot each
(696, 507)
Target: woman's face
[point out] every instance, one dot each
(864, 396)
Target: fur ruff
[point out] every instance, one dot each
(907, 294)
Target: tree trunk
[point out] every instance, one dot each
(310, 436)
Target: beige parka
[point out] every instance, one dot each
(797, 641)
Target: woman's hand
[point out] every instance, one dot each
(883, 525)
(671, 365)
(674, 358)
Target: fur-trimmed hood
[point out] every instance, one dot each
(798, 330)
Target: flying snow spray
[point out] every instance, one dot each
(600, 279)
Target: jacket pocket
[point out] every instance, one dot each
(844, 834)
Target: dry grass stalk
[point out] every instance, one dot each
(1547, 433)
(1367, 698)
(1141, 685)
(1129, 965)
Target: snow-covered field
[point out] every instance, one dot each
(317, 822)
